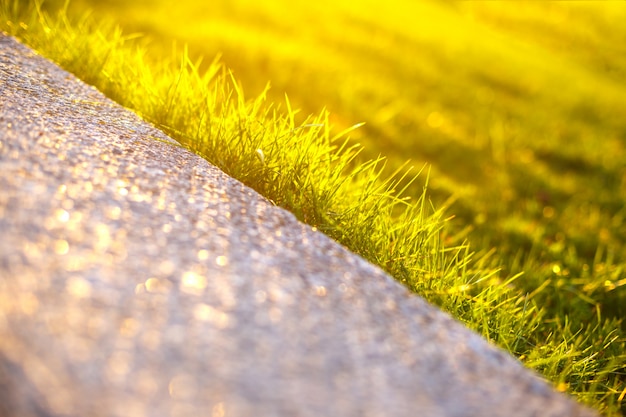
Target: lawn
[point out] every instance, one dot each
(515, 109)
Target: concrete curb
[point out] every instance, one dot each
(137, 279)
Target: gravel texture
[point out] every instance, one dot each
(138, 280)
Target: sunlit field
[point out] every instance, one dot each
(514, 112)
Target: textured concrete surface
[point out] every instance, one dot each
(138, 280)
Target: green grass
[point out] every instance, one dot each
(518, 112)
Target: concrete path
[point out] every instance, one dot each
(138, 280)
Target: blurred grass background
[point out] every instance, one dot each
(519, 107)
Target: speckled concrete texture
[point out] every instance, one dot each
(138, 280)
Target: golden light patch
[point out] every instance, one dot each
(157, 286)
(206, 313)
(78, 287)
(61, 247)
(320, 291)
(219, 410)
(62, 215)
(221, 261)
(193, 283)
